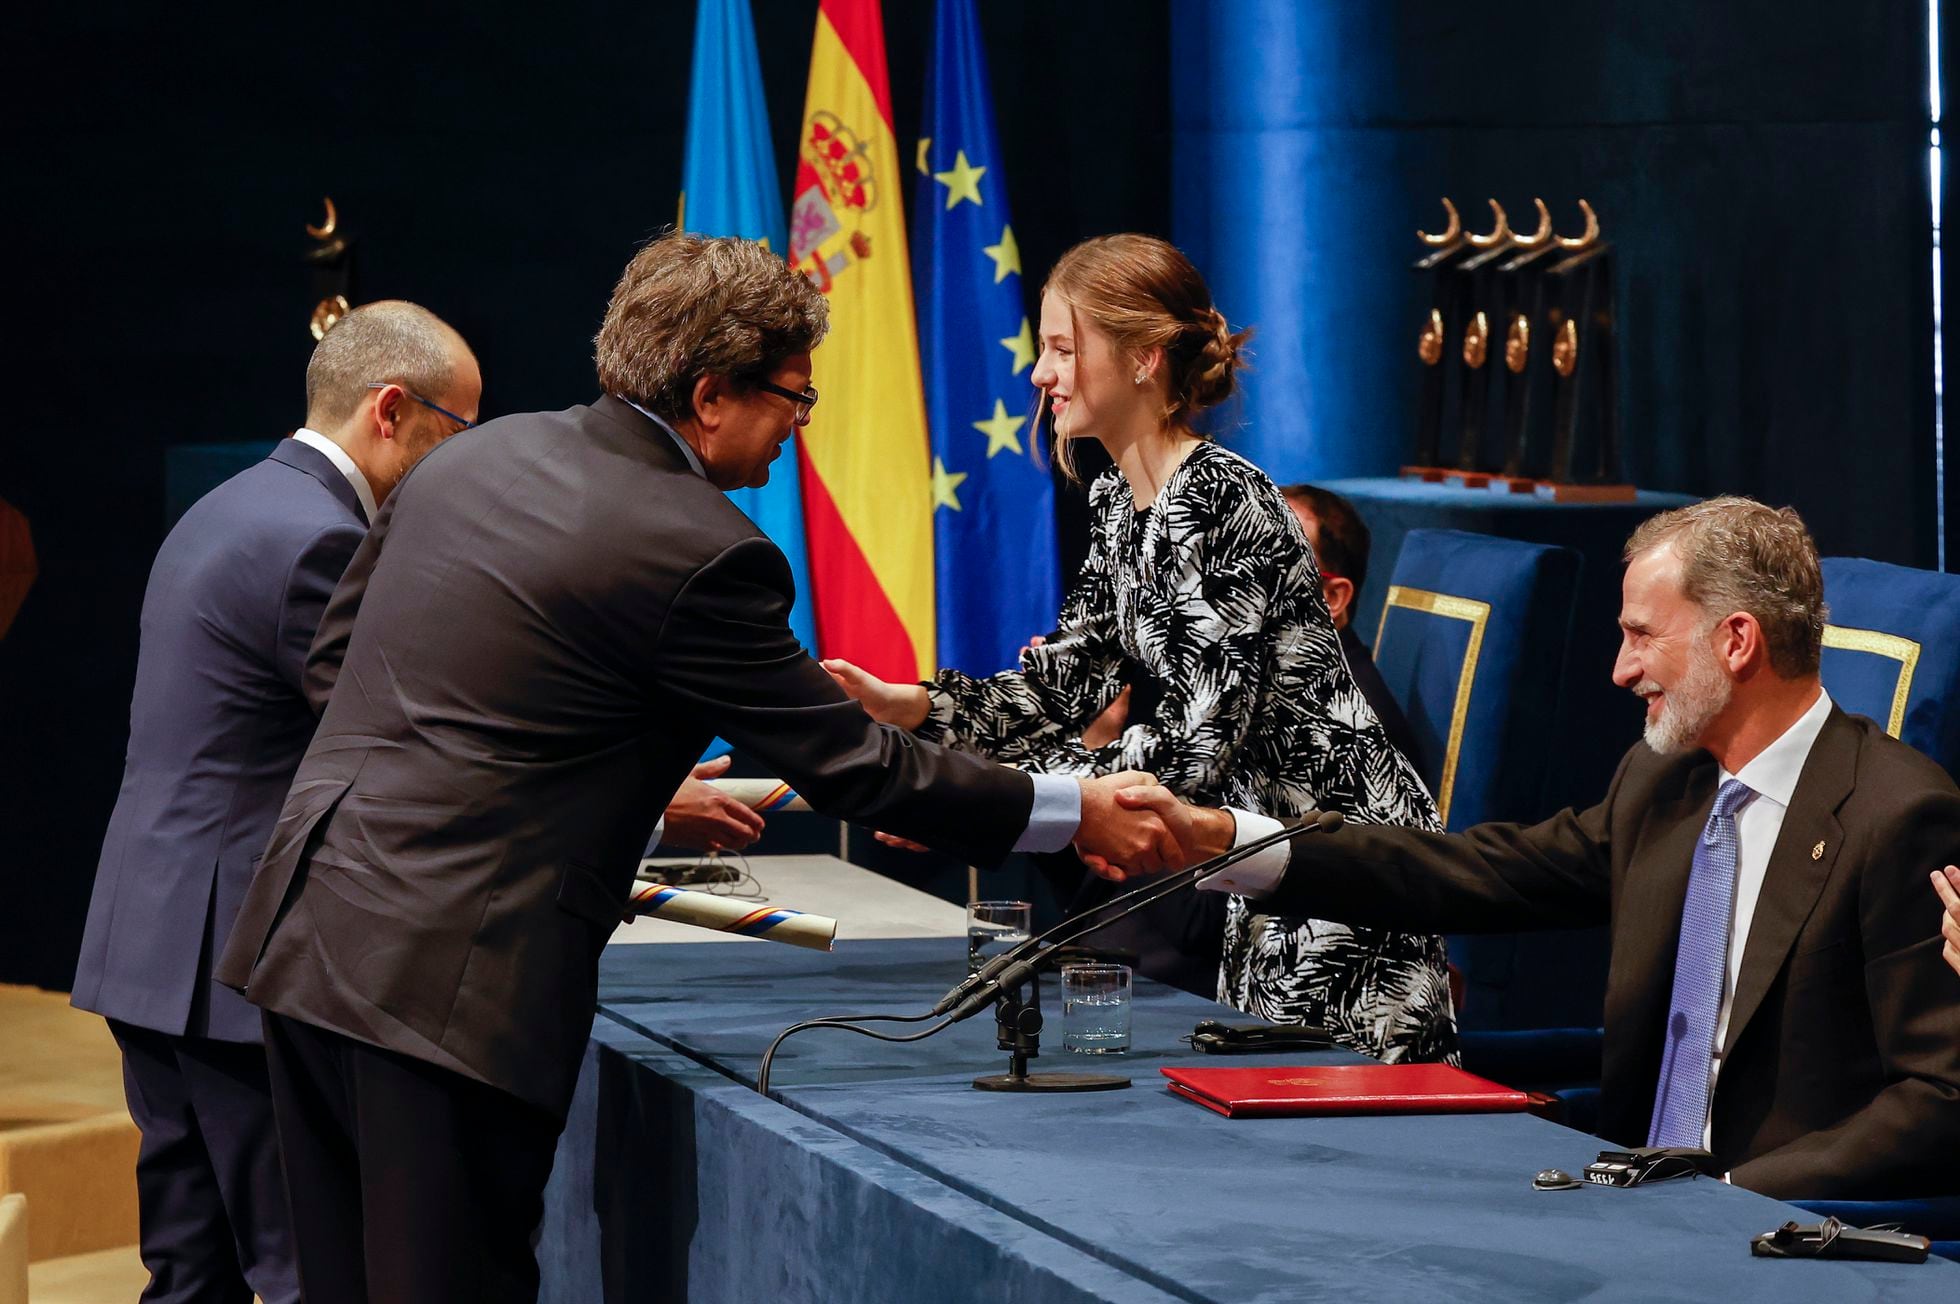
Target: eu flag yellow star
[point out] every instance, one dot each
(1022, 347)
(962, 182)
(1002, 431)
(1006, 255)
(945, 486)
(925, 143)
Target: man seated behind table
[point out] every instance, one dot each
(1777, 993)
(1340, 543)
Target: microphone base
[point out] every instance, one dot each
(1050, 1082)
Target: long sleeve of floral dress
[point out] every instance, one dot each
(1178, 594)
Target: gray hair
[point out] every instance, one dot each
(1738, 555)
(390, 340)
(689, 306)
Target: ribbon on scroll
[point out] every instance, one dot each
(727, 915)
(766, 795)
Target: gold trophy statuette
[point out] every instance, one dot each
(1429, 345)
(1517, 344)
(1565, 350)
(1451, 231)
(1476, 341)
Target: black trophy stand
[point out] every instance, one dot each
(1586, 458)
(1447, 294)
(1018, 1028)
(1475, 463)
(1526, 352)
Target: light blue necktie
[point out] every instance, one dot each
(1700, 965)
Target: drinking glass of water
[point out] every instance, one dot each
(993, 928)
(1096, 1008)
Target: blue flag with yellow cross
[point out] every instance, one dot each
(993, 502)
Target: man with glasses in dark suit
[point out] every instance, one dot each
(217, 725)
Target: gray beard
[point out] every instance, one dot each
(1702, 694)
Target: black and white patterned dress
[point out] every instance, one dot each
(1213, 593)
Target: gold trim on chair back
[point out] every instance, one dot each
(1880, 644)
(1476, 614)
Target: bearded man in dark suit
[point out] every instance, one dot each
(552, 617)
(1776, 993)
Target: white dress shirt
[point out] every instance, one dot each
(1772, 775)
(343, 464)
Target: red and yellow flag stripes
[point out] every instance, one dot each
(867, 485)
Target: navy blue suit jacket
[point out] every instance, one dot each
(217, 726)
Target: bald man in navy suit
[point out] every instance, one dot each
(217, 725)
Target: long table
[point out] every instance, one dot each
(877, 1173)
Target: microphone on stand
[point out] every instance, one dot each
(1005, 973)
(989, 974)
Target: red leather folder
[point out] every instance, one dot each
(1278, 1090)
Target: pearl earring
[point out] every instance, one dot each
(1142, 376)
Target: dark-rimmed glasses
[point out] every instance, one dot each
(804, 401)
(463, 422)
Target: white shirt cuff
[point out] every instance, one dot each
(1256, 875)
(1055, 816)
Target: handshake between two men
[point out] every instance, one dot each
(1133, 826)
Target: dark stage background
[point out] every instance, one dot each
(1762, 166)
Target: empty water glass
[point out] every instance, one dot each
(1096, 1008)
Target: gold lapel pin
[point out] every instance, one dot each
(1817, 852)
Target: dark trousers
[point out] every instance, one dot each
(209, 1194)
(408, 1181)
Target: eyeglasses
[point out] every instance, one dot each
(463, 423)
(804, 401)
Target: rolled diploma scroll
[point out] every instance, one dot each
(762, 794)
(706, 910)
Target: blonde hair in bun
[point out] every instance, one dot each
(1144, 293)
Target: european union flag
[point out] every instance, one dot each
(729, 186)
(994, 506)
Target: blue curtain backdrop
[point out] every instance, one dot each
(1761, 168)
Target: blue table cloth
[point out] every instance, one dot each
(879, 1173)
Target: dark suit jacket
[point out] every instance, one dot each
(1361, 664)
(555, 615)
(217, 725)
(1841, 1072)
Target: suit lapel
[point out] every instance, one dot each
(304, 457)
(1652, 901)
(1797, 870)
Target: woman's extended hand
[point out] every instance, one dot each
(904, 705)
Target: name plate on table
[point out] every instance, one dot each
(1278, 1091)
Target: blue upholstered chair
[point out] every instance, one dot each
(1472, 643)
(1892, 651)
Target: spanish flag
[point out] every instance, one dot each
(867, 482)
